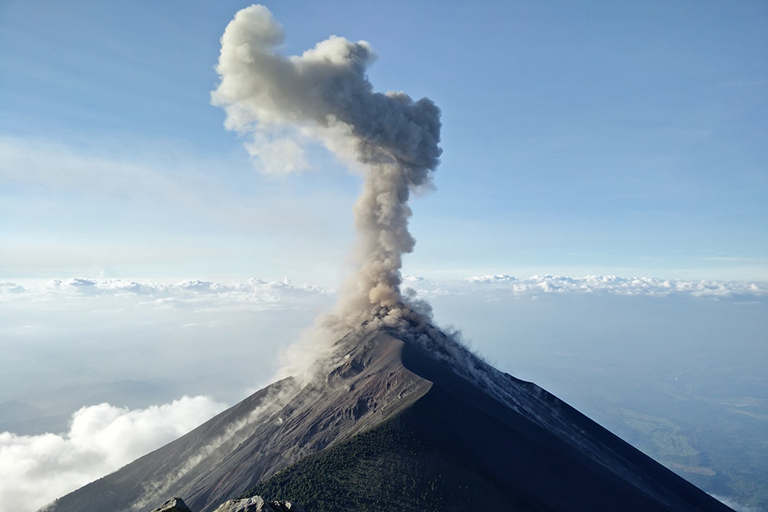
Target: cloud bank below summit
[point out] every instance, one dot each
(285, 293)
(632, 286)
(35, 470)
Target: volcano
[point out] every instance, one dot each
(399, 418)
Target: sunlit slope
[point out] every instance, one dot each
(271, 429)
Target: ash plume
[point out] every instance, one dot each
(324, 94)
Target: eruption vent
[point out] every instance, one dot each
(325, 94)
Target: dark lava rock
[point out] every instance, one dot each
(173, 505)
(257, 504)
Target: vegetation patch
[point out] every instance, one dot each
(386, 468)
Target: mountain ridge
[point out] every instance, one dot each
(512, 438)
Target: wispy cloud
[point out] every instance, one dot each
(152, 210)
(54, 166)
(164, 178)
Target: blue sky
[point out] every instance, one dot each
(579, 138)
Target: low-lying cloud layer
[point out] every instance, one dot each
(289, 294)
(503, 284)
(254, 289)
(35, 470)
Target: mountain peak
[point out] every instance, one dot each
(400, 415)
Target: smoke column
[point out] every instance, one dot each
(325, 94)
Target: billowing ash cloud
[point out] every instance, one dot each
(325, 94)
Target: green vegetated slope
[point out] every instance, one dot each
(387, 468)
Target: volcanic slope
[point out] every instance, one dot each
(404, 419)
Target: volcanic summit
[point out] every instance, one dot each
(401, 418)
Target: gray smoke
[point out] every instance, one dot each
(324, 94)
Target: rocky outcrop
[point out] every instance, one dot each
(252, 504)
(173, 505)
(257, 504)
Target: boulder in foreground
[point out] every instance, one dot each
(173, 505)
(257, 504)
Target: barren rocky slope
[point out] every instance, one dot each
(401, 418)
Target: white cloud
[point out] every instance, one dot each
(285, 292)
(6, 287)
(504, 284)
(35, 470)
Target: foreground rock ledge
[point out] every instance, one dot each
(253, 504)
(257, 504)
(173, 505)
